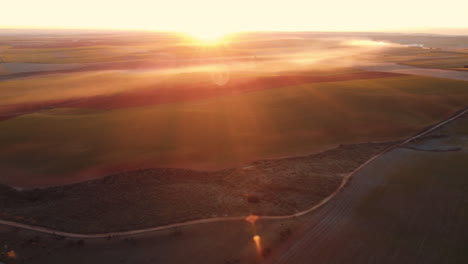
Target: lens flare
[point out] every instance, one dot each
(258, 245)
(11, 254)
(220, 75)
(251, 218)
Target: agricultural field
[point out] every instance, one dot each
(105, 134)
(407, 206)
(452, 59)
(448, 60)
(110, 132)
(376, 212)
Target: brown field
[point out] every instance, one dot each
(212, 133)
(176, 93)
(149, 100)
(408, 206)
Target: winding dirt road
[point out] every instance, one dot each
(328, 219)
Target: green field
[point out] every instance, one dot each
(67, 145)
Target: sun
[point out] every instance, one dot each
(209, 37)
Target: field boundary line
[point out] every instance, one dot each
(344, 182)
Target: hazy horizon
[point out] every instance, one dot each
(210, 19)
(47, 30)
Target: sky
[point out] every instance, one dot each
(218, 17)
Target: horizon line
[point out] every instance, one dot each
(425, 30)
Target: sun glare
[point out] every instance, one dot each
(369, 43)
(209, 37)
(258, 244)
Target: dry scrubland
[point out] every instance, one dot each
(148, 198)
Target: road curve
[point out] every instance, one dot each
(235, 218)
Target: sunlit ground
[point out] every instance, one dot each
(191, 98)
(84, 107)
(209, 38)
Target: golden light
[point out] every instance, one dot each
(11, 254)
(208, 37)
(368, 43)
(258, 244)
(240, 15)
(252, 218)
